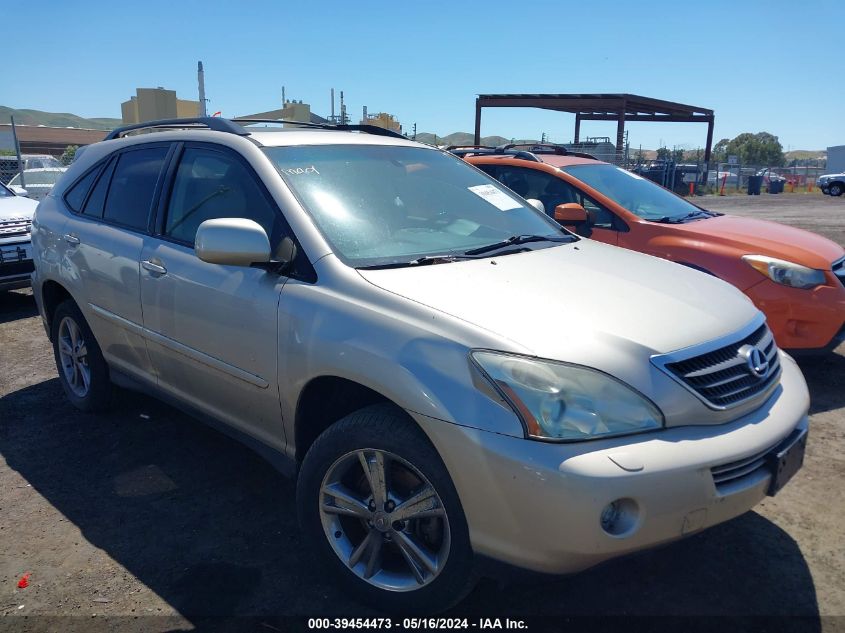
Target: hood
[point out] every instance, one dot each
(554, 300)
(16, 207)
(761, 237)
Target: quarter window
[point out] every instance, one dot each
(211, 184)
(75, 197)
(97, 200)
(133, 186)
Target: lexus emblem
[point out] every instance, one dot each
(755, 360)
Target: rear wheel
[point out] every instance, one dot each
(83, 372)
(836, 189)
(377, 504)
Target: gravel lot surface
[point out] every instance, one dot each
(146, 512)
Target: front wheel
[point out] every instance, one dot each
(378, 506)
(835, 189)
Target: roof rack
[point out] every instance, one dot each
(342, 127)
(236, 126)
(217, 124)
(541, 148)
(486, 150)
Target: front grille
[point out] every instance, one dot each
(723, 377)
(839, 269)
(12, 227)
(17, 268)
(727, 473)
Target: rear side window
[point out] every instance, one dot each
(97, 199)
(75, 197)
(133, 186)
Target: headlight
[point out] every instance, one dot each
(784, 272)
(557, 401)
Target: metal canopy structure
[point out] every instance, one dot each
(602, 107)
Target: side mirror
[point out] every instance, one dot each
(570, 213)
(19, 191)
(232, 242)
(536, 204)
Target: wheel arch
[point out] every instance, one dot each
(52, 295)
(324, 401)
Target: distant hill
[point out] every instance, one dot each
(805, 154)
(55, 119)
(466, 138)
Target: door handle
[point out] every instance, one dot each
(156, 269)
(71, 239)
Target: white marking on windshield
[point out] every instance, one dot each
(495, 196)
(298, 171)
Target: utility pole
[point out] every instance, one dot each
(415, 131)
(201, 81)
(18, 151)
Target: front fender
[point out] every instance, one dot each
(409, 361)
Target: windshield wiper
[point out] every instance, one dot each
(520, 239)
(420, 261)
(674, 219)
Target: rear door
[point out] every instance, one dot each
(212, 329)
(103, 238)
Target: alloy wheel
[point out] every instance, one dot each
(73, 355)
(384, 520)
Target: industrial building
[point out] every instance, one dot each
(291, 111)
(40, 139)
(382, 119)
(150, 104)
(835, 159)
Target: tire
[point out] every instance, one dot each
(84, 374)
(334, 462)
(836, 189)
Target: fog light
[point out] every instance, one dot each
(619, 518)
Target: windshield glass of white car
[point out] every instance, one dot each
(379, 205)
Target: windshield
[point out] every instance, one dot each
(381, 204)
(636, 194)
(5, 193)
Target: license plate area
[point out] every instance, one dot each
(786, 460)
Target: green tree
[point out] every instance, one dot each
(68, 154)
(678, 155)
(757, 149)
(719, 154)
(663, 153)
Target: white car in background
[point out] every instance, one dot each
(832, 184)
(15, 248)
(37, 183)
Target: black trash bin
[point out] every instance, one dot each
(776, 185)
(755, 183)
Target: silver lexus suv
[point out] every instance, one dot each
(451, 375)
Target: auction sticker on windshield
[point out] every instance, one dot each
(495, 196)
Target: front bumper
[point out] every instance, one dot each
(802, 319)
(16, 265)
(539, 505)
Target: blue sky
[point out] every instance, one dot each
(760, 65)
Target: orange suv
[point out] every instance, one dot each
(795, 277)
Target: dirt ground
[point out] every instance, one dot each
(146, 512)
